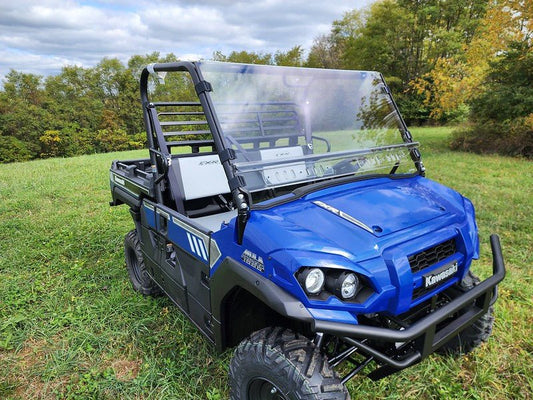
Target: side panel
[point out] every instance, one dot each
(182, 269)
(161, 265)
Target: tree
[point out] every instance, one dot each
(328, 50)
(290, 58)
(73, 97)
(118, 90)
(244, 57)
(404, 40)
(381, 42)
(455, 80)
(324, 53)
(23, 115)
(502, 114)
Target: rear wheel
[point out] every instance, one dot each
(478, 332)
(139, 277)
(278, 364)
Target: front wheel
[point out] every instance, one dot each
(278, 364)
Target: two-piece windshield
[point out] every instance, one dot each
(294, 125)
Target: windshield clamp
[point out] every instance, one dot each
(226, 155)
(203, 86)
(236, 182)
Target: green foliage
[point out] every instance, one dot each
(244, 57)
(71, 327)
(508, 88)
(116, 140)
(403, 40)
(51, 142)
(13, 149)
(381, 43)
(78, 111)
(76, 140)
(502, 114)
(324, 53)
(292, 57)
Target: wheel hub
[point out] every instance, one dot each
(263, 389)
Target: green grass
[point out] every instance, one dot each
(72, 327)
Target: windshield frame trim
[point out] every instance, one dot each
(315, 157)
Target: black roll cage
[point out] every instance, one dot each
(241, 197)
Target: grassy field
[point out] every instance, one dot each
(72, 327)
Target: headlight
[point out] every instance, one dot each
(349, 286)
(324, 282)
(344, 285)
(313, 280)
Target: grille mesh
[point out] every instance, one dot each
(431, 256)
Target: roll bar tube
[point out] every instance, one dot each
(241, 197)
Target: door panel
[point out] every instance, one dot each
(185, 257)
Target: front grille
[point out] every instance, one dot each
(432, 256)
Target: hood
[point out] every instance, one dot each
(385, 208)
(359, 217)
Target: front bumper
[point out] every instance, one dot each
(424, 334)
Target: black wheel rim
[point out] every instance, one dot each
(263, 389)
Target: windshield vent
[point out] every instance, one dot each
(432, 255)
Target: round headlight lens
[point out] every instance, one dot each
(349, 286)
(314, 281)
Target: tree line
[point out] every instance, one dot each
(453, 61)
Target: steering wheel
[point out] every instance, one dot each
(346, 166)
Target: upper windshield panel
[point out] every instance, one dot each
(291, 125)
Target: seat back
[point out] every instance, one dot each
(202, 176)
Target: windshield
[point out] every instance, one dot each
(295, 125)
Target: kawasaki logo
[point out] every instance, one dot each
(440, 275)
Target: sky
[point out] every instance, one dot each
(41, 36)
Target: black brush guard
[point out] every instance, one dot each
(422, 338)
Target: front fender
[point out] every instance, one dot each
(231, 274)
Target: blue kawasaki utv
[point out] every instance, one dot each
(285, 211)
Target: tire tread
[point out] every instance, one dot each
(147, 287)
(291, 356)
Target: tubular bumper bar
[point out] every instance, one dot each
(428, 339)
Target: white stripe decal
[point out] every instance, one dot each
(195, 242)
(190, 241)
(202, 248)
